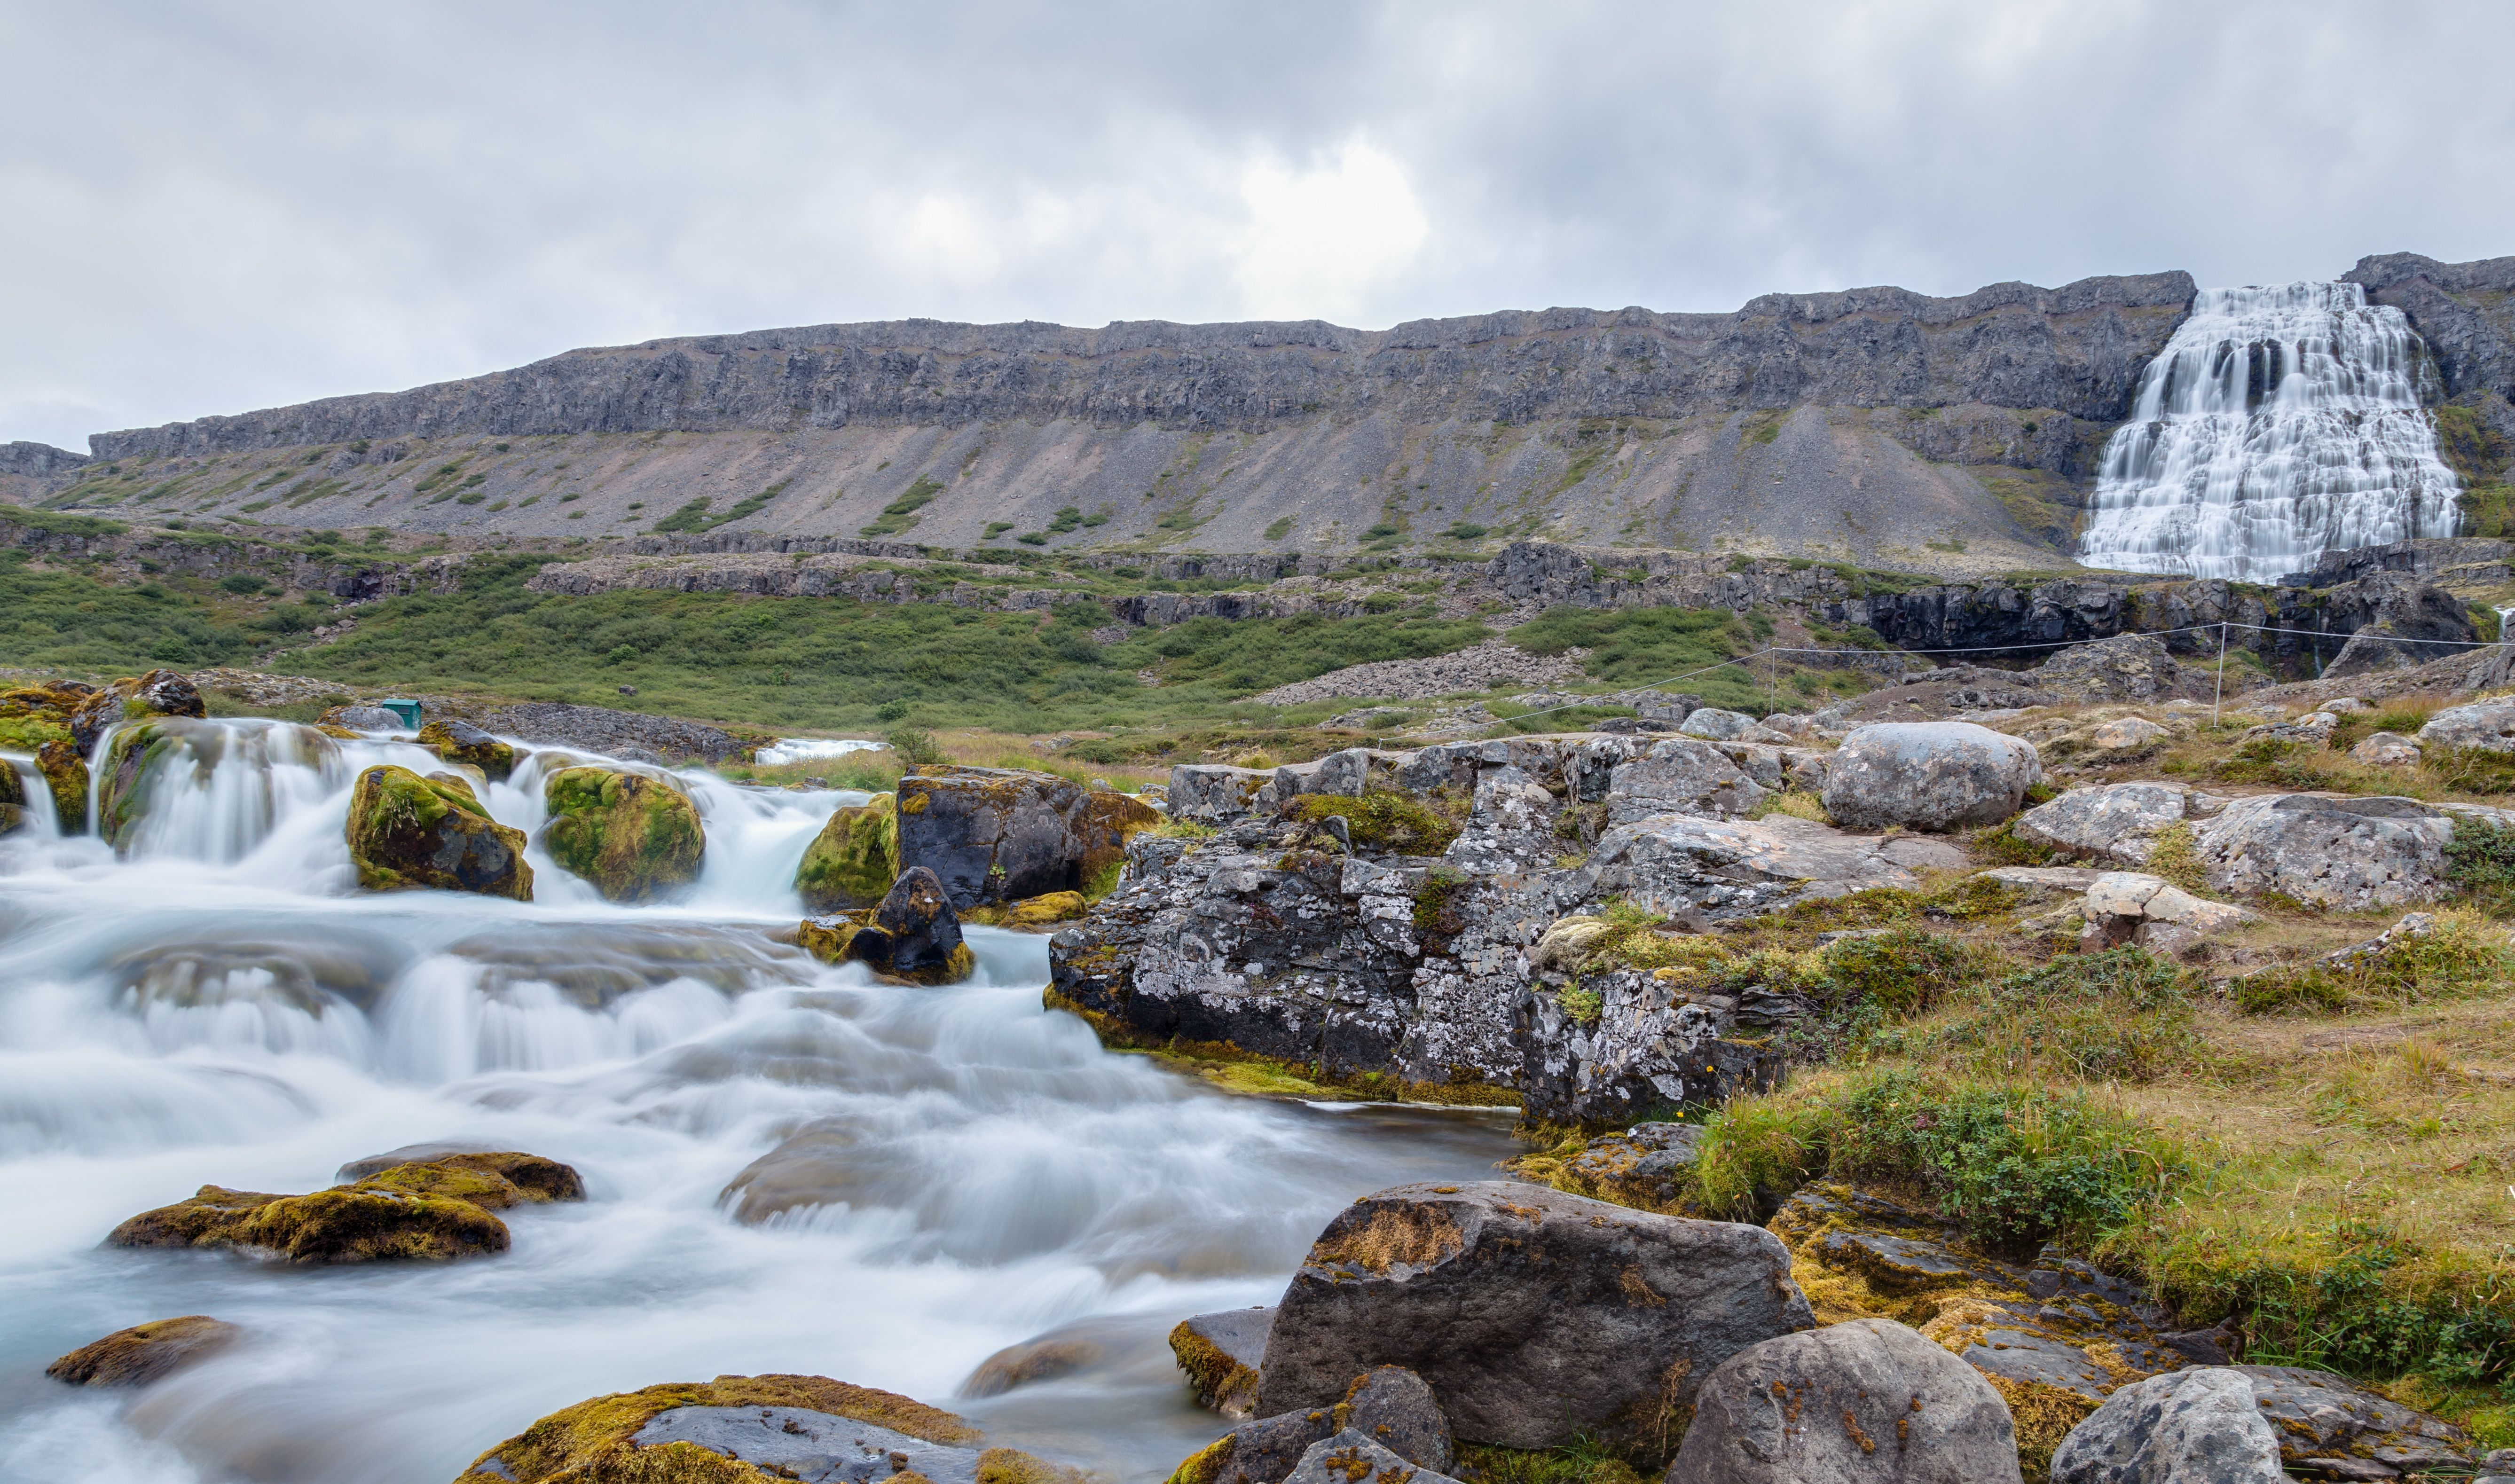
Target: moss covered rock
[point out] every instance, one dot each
(410, 833)
(143, 1353)
(123, 780)
(462, 742)
(852, 863)
(1220, 1354)
(433, 1208)
(634, 838)
(914, 936)
(158, 694)
(12, 801)
(743, 1429)
(66, 771)
(31, 716)
(1036, 914)
(999, 835)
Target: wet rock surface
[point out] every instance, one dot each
(635, 838)
(464, 743)
(852, 863)
(1864, 1400)
(437, 1209)
(410, 833)
(1531, 1314)
(1349, 1456)
(1220, 1354)
(143, 1353)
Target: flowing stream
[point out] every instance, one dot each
(2278, 424)
(221, 1005)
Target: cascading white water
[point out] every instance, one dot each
(2276, 425)
(219, 1004)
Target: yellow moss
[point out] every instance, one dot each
(853, 860)
(1012, 1466)
(1415, 1236)
(1215, 1379)
(2044, 1416)
(1033, 914)
(1206, 1465)
(631, 836)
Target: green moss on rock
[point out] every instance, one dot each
(408, 833)
(429, 1209)
(143, 1353)
(67, 773)
(852, 863)
(595, 1440)
(634, 838)
(461, 742)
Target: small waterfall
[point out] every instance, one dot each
(43, 821)
(2278, 424)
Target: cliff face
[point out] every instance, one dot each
(28, 470)
(2077, 349)
(2464, 311)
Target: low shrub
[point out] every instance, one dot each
(2480, 864)
(2462, 955)
(2116, 1015)
(1902, 969)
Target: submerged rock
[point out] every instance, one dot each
(2194, 1427)
(1928, 775)
(409, 833)
(1868, 1400)
(913, 936)
(851, 863)
(1537, 1317)
(464, 743)
(1220, 1354)
(738, 1430)
(635, 837)
(996, 835)
(158, 694)
(438, 1209)
(143, 1353)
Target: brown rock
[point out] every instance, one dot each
(143, 1353)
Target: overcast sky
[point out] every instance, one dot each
(211, 208)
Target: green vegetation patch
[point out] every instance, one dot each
(901, 513)
(1401, 823)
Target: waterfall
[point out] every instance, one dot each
(2276, 425)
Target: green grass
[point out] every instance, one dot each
(70, 621)
(901, 513)
(1642, 646)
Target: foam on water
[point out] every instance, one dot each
(2278, 424)
(221, 1005)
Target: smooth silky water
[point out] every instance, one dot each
(224, 1006)
(2278, 424)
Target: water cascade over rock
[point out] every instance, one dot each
(2278, 424)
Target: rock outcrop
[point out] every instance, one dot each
(996, 835)
(1867, 1400)
(143, 1353)
(1534, 1316)
(635, 837)
(913, 936)
(12, 801)
(464, 743)
(437, 1209)
(158, 694)
(1928, 775)
(410, 833)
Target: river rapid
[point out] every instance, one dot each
(223, 1006)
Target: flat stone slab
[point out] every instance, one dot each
(2047, 878)
(816, 1447)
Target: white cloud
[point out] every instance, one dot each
(1320, 239)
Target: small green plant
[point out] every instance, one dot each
(915, 746)
(1280, 529)
(2480, 864)
(243, 583)
(1581, 1006)
(1465, 530)
(901, 513)
(1399, 823)
(891, 711)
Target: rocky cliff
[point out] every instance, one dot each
(2464, 311)
(1874, 425)
(30, 469)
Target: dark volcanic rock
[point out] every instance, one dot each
(913, 936)
(2321, 1416)
(996, 835)
(143, 1353)
(1868, 1400)
(1534, 1316)
(158, 694)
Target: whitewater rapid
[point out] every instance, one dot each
(224, 1006)
(2278, 424)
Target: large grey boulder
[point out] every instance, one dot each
(1535, 1316)
(1682, 775)
(1868, 1400)
(2334, 849)
(2327, 1423)
(2489, 725)
(1673, 864)
(1928, 775)
(2116, 822)
(1209, 793)
(1714, 725)
(2192, 1427)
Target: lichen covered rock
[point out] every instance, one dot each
(1535, 1317)
(2194, 1427)
(143, 1353)
(852, 863)
(913, 935)
(635, 837)
(411, 833)
(12, 801)
(31, 716)
(158, 694)
(1037, 914)
(437, 1209)
(1928, 775)
(462, 742)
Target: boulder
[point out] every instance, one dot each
(1535, 1316)
(2386, 749)
(364, 718)
(996, 835)
(66, 771)
(411, 833)
(2486, 725)
(464, 743)
(753, 1429)
(1221, 1353)
(1682, 775)
(2192, 1427)
(1349, 1456)
(1714, 725)
(1851, 1403)
(1930, 775)
(2328, 1424)
(1675, 863)
(852, 863)
(13, 800)
(158, 694)
(2351, 852)
(353, 1170)
(2123, 906)
(2313, 730)
(2128, 667)
(635, 837)
(143, 1353)
(1210, 794)
(2115, 822)
(913, 935)
(31, 716)
(1389, 1407)
(435, 1209)
(1644, 1166)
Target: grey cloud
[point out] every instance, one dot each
(220, 208)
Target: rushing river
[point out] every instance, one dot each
(224, 1006)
